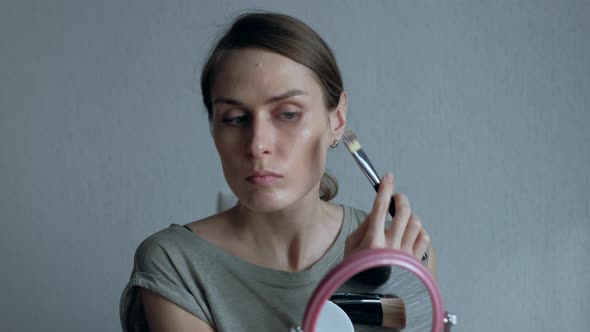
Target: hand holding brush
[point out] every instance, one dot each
(405, 231)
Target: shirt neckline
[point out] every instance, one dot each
(279, 277)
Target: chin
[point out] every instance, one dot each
(272, 198)
(266, 202)
(263, 205)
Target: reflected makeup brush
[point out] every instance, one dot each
(372, 309)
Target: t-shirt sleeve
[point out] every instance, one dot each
(161, 268)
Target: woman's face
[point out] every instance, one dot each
(271, 129)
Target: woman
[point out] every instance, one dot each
(276, 104)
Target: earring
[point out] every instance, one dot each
(335, 144)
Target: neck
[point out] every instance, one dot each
(292, 239)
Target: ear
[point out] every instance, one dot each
(337, 117)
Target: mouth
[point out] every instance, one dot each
(263, 177)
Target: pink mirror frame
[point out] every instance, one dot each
(362, 261)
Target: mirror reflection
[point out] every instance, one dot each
(379, 299)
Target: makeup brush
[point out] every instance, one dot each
(372, 309)
(361, 158)
(378, 275)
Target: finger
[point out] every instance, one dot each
(400, 220)
(411, 234)
(378, 214)
(422, 244)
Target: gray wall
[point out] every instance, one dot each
(481, 109)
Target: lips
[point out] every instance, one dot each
(263, 177)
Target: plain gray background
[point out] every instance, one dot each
(480, 109)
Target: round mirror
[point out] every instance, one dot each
(375, 290)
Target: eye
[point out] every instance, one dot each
(289, 115)
(238, 120)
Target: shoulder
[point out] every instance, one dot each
(169, 249)
(173, 265)
(210, 225)
(156, 248)
(180, 238)
(357, 216)
(216, 230)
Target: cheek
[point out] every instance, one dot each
(220, 146)
(226, 151)
(308, 152)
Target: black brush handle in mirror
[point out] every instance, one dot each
(376, 276)
(364, 311)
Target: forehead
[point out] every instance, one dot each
(251, 70)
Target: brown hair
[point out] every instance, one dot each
(289, 37)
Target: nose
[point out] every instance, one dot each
(261, 138)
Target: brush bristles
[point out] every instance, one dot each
(394, 313)
(350, 140)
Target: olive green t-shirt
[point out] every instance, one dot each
(223, 290)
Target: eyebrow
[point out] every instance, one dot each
(282, 96)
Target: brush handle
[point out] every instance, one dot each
(379, 275)
(391, 203)
(368, 312)
(359, 296)
(376, 276)
(392, 213)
